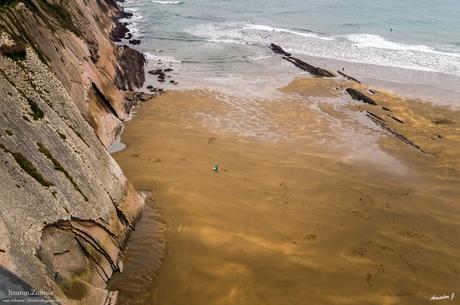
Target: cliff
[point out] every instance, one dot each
(66, 209)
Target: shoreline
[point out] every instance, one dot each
(427, 86)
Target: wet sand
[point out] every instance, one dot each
(313, 204)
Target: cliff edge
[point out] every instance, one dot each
(66, 209)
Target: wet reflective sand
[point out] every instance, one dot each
(313, 202)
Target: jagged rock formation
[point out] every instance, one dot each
(66, 208)
(356, 95)
(316, 71)
(381, 123)
(279, 50)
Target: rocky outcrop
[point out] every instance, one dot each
(66, 209)
(130, 71)
(356, 95)
(382, 124)
(349, 77)
(279, 50)
(316, 71)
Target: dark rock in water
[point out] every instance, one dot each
(136, 97)
(372, 91)
(158, 72)
(149, 87)
(349, 77)
(169, 70)
(380, 122)
(356, 95)
(316, 71)
(279, 50)
(172, 82)
(145, 97)
(120, 31)
(161, 80)
(125, 15)
(135, 41)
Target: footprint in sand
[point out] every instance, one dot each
(281, 196)
(283, 193)
(379, 269)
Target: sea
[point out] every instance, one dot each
(410, 46)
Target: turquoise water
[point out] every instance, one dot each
(220, 41)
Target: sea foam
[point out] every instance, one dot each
(168, 2)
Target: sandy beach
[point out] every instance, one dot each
(313, 203)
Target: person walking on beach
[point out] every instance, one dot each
(215, 168)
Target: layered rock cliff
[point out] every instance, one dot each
(66, 208)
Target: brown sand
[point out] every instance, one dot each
(313, 203)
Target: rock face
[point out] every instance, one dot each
(130, 71)
(66, 208)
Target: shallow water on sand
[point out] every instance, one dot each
(313, 204)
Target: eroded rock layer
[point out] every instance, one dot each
(66, 208)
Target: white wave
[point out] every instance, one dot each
(246, 33)
(376, 41)
(267, 28)
(359, 48)
(167, 2)
(162, 58)
(259, 57)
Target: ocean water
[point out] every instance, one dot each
(225, 43)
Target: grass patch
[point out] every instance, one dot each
(27, 166)
(16, 51)
(59, 167)
(62, 135)
(73, 287)
(37, 113)
(7, 2)
(30, 169)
